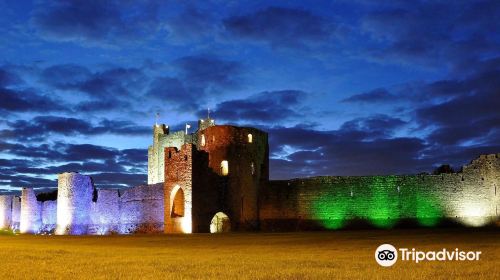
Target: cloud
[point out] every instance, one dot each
(109, 167)
(43, 126)
(173, 90)
(433, 33)
(105, 90)
(268, 106)
(7, 78)
(302, 151)
(198, 77)
(376, 126)
(281, 27)
(28, 101)
(207, 70)
(102, 105)
(454, 120)
(65, 76)
(18, 180)
(94, 22)
(192, 23)
(373, 96)
(470, 114)
(111, 84)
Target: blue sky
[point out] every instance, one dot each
(342, 87)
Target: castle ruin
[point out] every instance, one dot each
(217, 179)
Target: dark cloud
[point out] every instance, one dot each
(118, 180)
(269, 106)
(85, 167)
(374, 96)
(377, 125)
(65, 76)
(173, 90)
(281, 27)
(434, 33)
(192, 23)
(86, 155)
(134, 156)
(470, 114)
(457, 119)
(206, 70)
(94, 21)
(28, 101)
(19, 181)
(301, 151)
(198, 77)
(103, 105)
(7, 78)
(109, 84)
(43, 126)
(108, 166)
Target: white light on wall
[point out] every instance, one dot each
(474, 214)
(186, 225)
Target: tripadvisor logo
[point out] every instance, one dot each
(387, 255)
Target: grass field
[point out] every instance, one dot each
(313, 255)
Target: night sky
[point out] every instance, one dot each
(343, 88)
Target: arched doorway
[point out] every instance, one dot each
(178, 204)
(220, 223)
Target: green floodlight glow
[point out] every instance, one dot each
(383, 211)
(428, 209)
(381, 200)
(331, 210)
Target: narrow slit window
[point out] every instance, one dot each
(203, 140)
(250, 138)
(224, 167)
(252, 168)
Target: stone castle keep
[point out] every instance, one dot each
(217, 179)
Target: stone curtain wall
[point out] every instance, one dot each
(16, 213)
(49, 216)
(26, 214)
(105, 212)
(469, 197)
(141, 209)
(138, 209)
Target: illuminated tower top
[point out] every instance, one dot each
(204, 123)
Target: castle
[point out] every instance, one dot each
(217, 179)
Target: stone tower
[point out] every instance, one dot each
(74, 202)
(218, 174)
(240, 158)
(30, 212)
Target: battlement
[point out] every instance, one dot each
(205, 123)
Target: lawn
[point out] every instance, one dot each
(312, 255)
